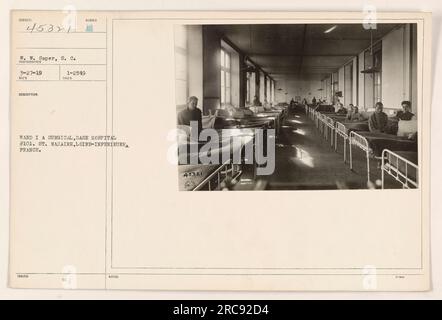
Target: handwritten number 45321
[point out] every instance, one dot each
(47, 28)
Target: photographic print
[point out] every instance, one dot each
(297, 106)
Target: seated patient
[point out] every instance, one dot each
(351, 110)
(406, 114)
(191, 113)
(341, 109)
(353, 114)
(267, 105)
(256, 102)
(378, 121)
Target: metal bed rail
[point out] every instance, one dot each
(214, 180)
(317, 117)
(323, 125)
(320, 122)
(359, 141)
(329, 129)
(224, 171)
(341, 130)
(390, 165)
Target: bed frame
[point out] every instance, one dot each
(329, 125)
(326, 126)
(322, 125)
(341, 130)
(226, 170)
(312, 113)
(359, 141)
(390, 165)
(320, 122)
(316, 117)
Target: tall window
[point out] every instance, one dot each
(348, 83)
(225, 78)
(335, 87)
(248, 97)
(181, 67)
(268, 84)
(328, 89)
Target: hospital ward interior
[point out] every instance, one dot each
(307, 106)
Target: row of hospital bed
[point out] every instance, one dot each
(238, 128)
(397, 153)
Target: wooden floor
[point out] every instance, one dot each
(306, 161)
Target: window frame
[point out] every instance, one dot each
(248, 88)
(226, 78)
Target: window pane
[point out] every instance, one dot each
(180, 66)
(378, 78)
(222, 57)
(248, 90)
(368, 60)
(222, 78)
(227, 65)
(227, 95)
(377, 94)
(227, 79)
(180, 92)
(377, 87)
(377, 59)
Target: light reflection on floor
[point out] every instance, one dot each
(299, 131)
(303, 156)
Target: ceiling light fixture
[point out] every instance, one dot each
(331, 29)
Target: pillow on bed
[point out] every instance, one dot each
(405, 128)
(222, 113)
(208, 122)
(238, 113)
(257, 109)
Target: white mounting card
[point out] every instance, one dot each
(97, 202)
